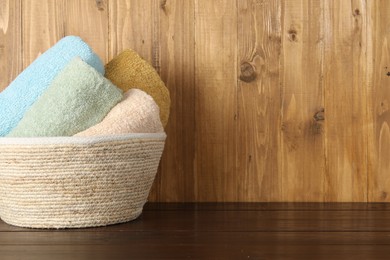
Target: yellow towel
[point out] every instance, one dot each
(128, 70)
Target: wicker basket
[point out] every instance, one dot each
(74, 182)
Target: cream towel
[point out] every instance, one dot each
(136, 113)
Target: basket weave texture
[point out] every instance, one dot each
(76, 182)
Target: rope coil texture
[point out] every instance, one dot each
(76, 185)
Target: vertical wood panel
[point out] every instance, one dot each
(177, 71)
(345, 100)
(379, 101)
(10, 41)
(303, 160)
(263, 137)
(259, 48)
(88, 19)
(216, 100)
(130, 26)
(42, 27)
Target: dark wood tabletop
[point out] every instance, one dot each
(218, 231)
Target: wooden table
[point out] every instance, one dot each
(218, 231)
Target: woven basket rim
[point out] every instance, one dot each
(80, 139)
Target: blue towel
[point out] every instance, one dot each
(17, 98)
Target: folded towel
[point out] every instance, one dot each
(33, 81)
(78, 98)
(128, 70)
(136, 113)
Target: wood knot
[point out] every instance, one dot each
(356, 12)
(292, 35)
(163, 4)
(100, 5)
(384, 107)
(320, 115)
(259, 2)
(248, 72)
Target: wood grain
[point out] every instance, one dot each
(271, 100)
(259, 49)
(302, 133)
(139, 239)
(216, 100)
(89, 19)
(177, 42)
(218, 231)
(378, 93)
(131, 25)
(135, 24)
(43, 26)
(345, 102)
(200, 250)
(11, 61)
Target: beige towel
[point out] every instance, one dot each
(136, 113)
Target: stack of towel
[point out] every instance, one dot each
(68, 92)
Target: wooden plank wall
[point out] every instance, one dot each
(272, 100)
